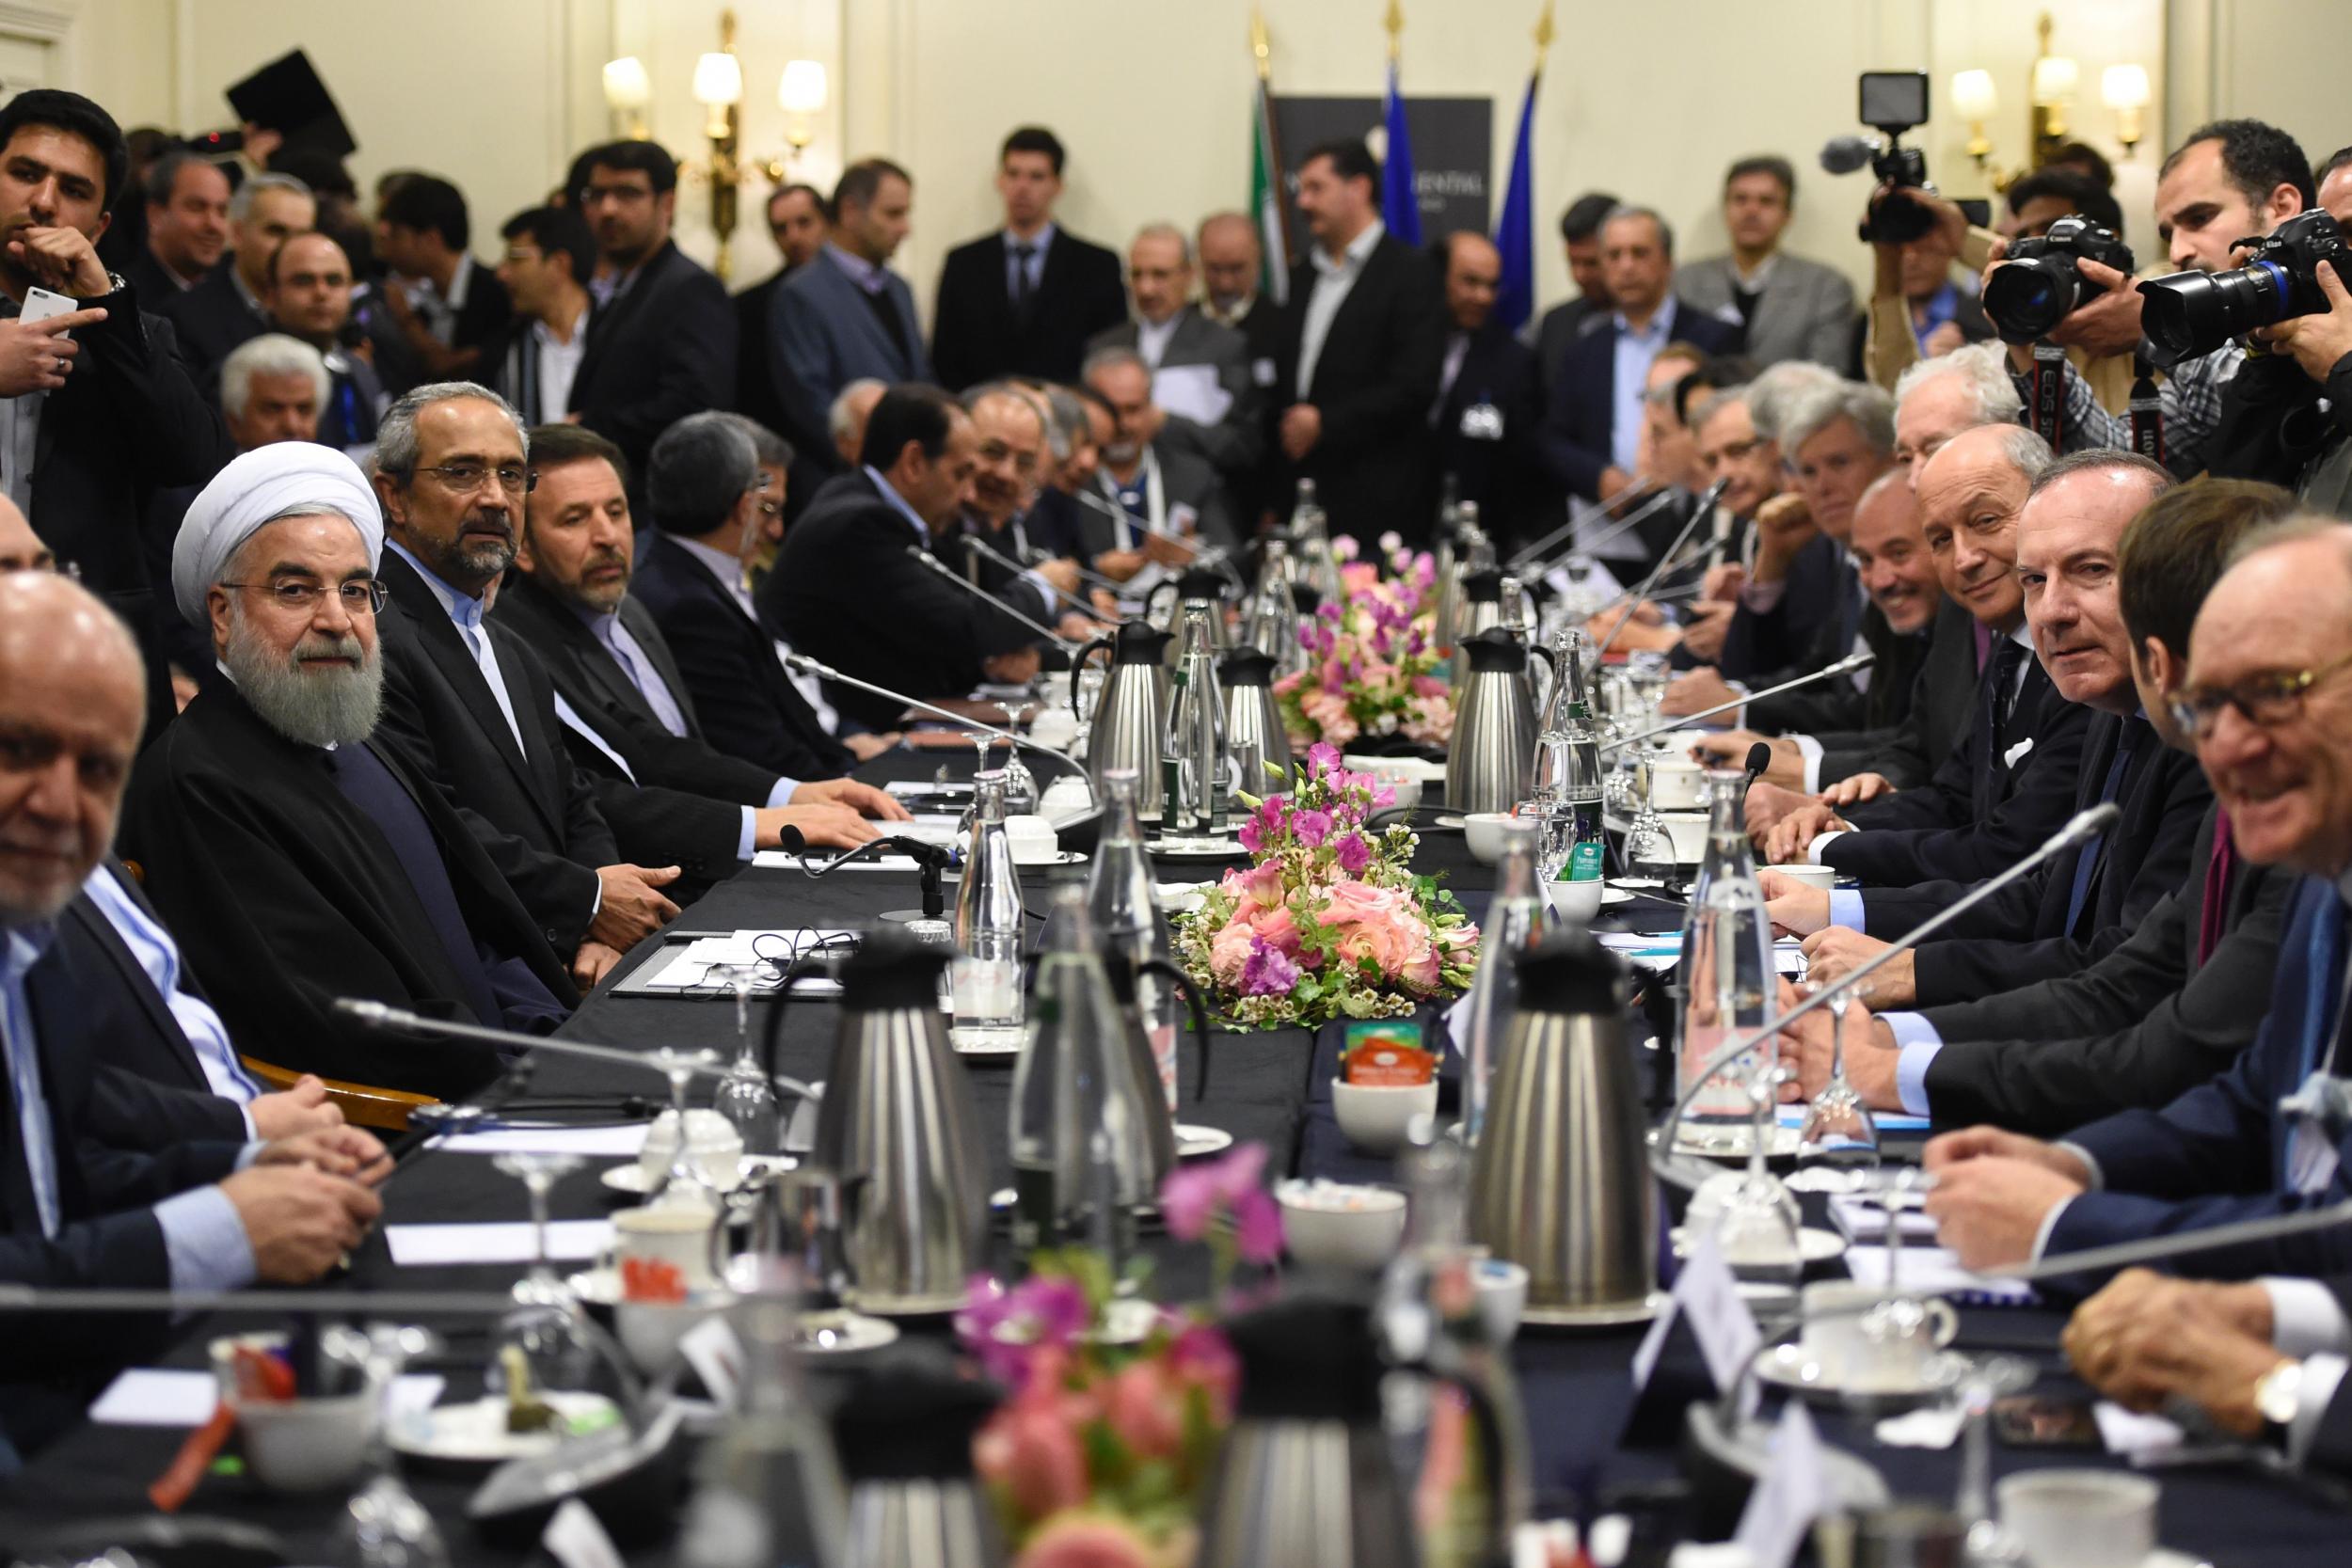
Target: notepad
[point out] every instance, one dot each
(162, 1397)
(500, 1241)
(618, 1142)
(687, 966)
(784, 859)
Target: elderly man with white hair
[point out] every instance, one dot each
(298, 858)
(272, 388)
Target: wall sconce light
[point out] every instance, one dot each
(627, 91)
(1975, 100)
(2124, 90)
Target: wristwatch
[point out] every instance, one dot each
(2277, 1393)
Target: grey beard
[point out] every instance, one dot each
(318, 707)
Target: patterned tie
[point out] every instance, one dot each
(2213, 920)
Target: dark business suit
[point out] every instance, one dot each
(510, 368)
(1819, 591)
(1374, 380)
(1980, 812)
(1494, 457)
(127, 422)
(661, 350)
(2219, 1153)
(1580, 405)
(1559, 326)
(153, 280)
(978, 333)
(1935, 713)
(823, 333)
(533, 813)
(755, 394)
(2022, 934)
(2146, 1022)
(1236, 444)
(1186, 481)
(745, 704)
(1832, 707)
(845, 591)
(212, 320)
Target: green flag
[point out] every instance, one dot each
(1266, 201)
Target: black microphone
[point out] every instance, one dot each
(1845, 155)
(932, 564)
(1759, 758)
(808, 666)
(400, 1021)
(2081, 827)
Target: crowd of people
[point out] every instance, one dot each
(379, 622)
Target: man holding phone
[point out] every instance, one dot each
(94, 407)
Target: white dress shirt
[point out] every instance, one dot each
(465, 612)
(1152, 339)
(559, 364)
(159, 958)
(1334, 278)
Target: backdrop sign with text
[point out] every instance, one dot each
(1452, 154)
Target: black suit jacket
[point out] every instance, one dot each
(2144, 1023)
(1769, 648)
(211, 320)
(1579, 406)
(745, 704)
(977, 336)
(536, 815)
(845, 591)
(755, 394)
(1933, 718)
(1496, 462)
(660, 351)
(1559, 326)
(2020, 934)
(602, 694)
(1979, 813)
(1834, 708)
(1374, 381)
(127, 422)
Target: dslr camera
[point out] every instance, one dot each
(2193, 313)
(2039, 284)
(1893, 102)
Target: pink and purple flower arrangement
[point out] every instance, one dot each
(1372, 660)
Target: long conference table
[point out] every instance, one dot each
(1270, 1086)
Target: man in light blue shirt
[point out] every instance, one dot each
(107, 1201)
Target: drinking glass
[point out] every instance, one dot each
(382, 1525)
(1021, 792)
(1758, 1224)
(745, 1096)
(1838, 1127)
(684, 1183)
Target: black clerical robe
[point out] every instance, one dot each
(284, 896)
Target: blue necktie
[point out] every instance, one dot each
(2087, 863)
(32, 1105)
(642, 675)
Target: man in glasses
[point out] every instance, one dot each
(352, 874)
(661, 340)
(2268, 702)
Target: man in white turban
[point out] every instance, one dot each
(297, 858)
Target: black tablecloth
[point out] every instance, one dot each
(1273, 1087)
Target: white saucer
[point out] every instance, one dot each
(1127, 1321)
(1594, 1316)
(1732, 1143)
(842, 1333)
(1814, 1245)
(1448, 819)
(1611, 896)
(1787, 1366)
(1195, 849)
(474, 1432)
(987, 1044)
(1193, 1142)
(940, 1305)
(630, 1178)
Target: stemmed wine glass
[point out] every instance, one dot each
(383, 1525)
(745, 1096)
(1838, 1127)
(1649, 849)
(539, 1344)
(1758, 1224)
(1976, 1383)
(685, 1183)
(538, 1172)
(1021, 796)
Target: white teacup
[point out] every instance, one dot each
(713, 1145)
(1032, 840)
(676, 1234)
(2080, 1518)
(1378, 1118)
(1867, 1342)
(1676, 783)
(1688, 829)
(1573, 900)
(1822, 879)
(1483, 832)
(1501, 1298)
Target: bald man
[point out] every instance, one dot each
(1200, 368)
(102, 1193)
(1488, 402)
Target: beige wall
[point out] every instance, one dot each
(1650, 100)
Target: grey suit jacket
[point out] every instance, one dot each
(823, 334)
(1234, 445)
(1186, 481)
(1807, 311)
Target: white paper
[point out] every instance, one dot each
(1937, 1426)
(576, 1538)
(1934, 1271)
(784, 859)
(500, 1241)
(1793, 1489)
(1719, 1316)
(1662, 951)
(620, 1142)
(158, 1397)
(2131, 1436)
(688, 966)
(1191, 390)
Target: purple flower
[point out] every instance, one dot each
(1269, 972)
(1322, 756)
(1251, 839)
(1310, 828)
(1354, 854)
(1258, 1227)
(1041, 1310)
(1195, 1190)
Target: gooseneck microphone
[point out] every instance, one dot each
(932, 564)
(1017, 568)
(1706, 508)
(1689, 1173)
(808, 666)
(1533, 553)
(1859, 659)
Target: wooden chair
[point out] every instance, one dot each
(363, 1105)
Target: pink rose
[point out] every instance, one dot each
(1032, 1452)
(1087, 1541)
(1144, 1412)
(1228, 952)
(1353, 903)
(1277, 929)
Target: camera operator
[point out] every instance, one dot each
(1916, 311)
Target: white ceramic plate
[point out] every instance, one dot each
(843, 1333)
(987, 1044)
(1195, 849)
(1787, 1367)
(1448, 819)
(1814, 1245)
(1193, 1142)
(474, 1432)
(630, 1178)
(1605, 1317)
(1732, 1143)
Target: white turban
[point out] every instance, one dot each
(297, 477)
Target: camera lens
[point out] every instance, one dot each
(2191, 313)
(2027, 298)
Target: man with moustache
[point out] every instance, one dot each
(353, 877)
(2010, 782)
(1160, 505)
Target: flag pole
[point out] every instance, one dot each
(1394, 23)
(1543, 39)
(1279, 251)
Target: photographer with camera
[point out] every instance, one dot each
(2322, 346)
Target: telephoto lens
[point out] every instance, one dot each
(2193, 313)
